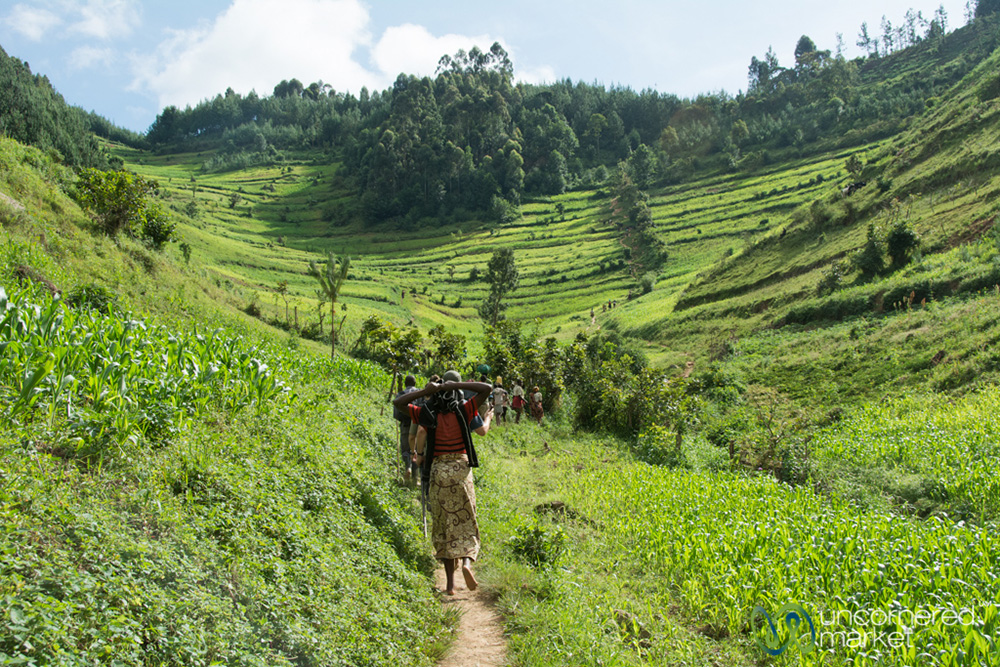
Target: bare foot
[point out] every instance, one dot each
(470, 577)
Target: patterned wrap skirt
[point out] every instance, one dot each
(452, 500)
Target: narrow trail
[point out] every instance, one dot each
(479, 641)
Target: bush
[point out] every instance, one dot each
(658, 445)
(122, 203)
(832, 280)
(92, 297)
(538, 545)
(648, 281)
(869, 259)
(901, 242)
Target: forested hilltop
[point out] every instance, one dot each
(470, 139)
(32, 112)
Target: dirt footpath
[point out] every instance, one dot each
(479, 641)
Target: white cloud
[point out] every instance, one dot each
(86, 57)
(414, 50)
(536, 75)
(106, 19)
(255, 44)
(32, 22)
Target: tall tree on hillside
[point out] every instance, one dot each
(502, 275)
(331, 279)
(866, 42)
(803, 47)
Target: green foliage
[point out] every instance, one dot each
(615, 394)
(448, 351)
(395, 348)
(947, 445)
(986, 7)
(832, 280)
(122, 204)
(657, 445)
(870, 260)
(32, 113)
(538, 544)
(331, 281)
(513, 353)
(901, 243)
(647, 282)
(833, 559)
(502, 276)
(93, 296)
(97, 384)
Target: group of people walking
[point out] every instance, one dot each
(436, 427)
(517, 400)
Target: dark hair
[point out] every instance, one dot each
(410, 381)
(445, 400)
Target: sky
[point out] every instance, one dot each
(128, 59)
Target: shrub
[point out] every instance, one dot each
(869, 259)
(121, 203)
(832, 280)
(648, 281)
(92, 297)
(537, 545)
(658, 445)
(901, 242)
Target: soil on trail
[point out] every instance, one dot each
(479, 641)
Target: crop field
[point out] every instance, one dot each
(258, 227)
(879, 589)
(946, 452)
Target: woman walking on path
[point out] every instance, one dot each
(518, 401)
(500, 401)
(536, 404)
(449, 457)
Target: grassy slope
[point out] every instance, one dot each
(247, 538)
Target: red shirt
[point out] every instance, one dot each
(448, 436)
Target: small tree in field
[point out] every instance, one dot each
(121, 203)
(331, 279)
(502, 275)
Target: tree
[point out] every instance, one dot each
(866, 42)
(283, 293)
(901, 242)
(987, 7)
(739, 132)
(331, 280)
(888, 36)
(502, 276)
(121, 202)
(595, 128)
(804, 47)
(643, 165)
(449, 349)
(854, 166)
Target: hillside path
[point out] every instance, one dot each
(479, 641)
(12, 202)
